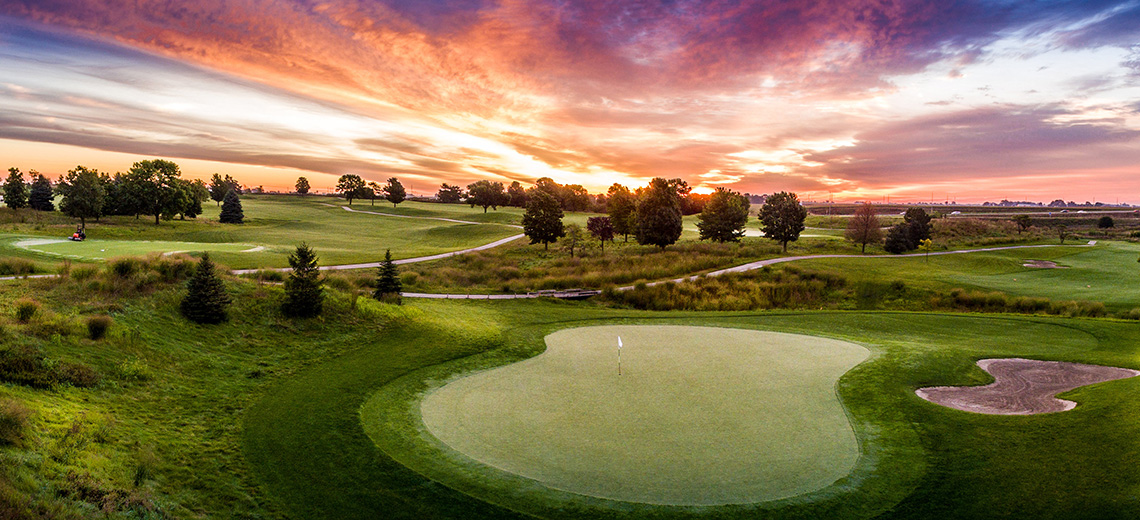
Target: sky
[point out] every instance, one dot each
(918, 100)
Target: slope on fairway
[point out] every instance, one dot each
(699, 415)
(95, 249)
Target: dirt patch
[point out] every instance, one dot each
(1043, 264)
(1023, 386)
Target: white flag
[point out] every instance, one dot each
(619, 342)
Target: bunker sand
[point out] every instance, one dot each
(1023, 386)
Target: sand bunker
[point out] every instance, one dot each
(1023, 386)
(1043, 264)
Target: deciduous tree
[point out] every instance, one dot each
(782, 218)
(486, 194)
(601, 228)
(449, 193)
(394, 191)
(371, 191)
(658, 214)
(218, 188)
(1023, 222)
(575, 239)
(83, 194)
(864, 227)
(155, 183)
(517, 195)
(724, 216)
(622, 205)
(542, 221)
(350, 186)
(302, 185)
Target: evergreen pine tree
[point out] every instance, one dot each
(231, 209)
(15, 191)
(388, 284)
(206, 298)
(40, 198)
(304, 291)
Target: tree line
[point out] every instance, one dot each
(152, 188)
(352, 186)
(653, 216)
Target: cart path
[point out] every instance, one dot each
(763, 263)
(736, 269)
(367, 265)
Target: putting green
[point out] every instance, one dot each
(699, 415)
(96, 249)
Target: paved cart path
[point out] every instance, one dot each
(736, 269)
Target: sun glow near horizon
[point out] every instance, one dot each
(995, 101)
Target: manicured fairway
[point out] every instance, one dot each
(1100, 273)
(277, 224)
(699, 415)
(94, 249)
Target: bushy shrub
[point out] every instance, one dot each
(133, 369)
(28, 367)
(83, 272)
(16, 267)
(49, 324)
(79, 375)
(269, 275)
(25, 309)
(339, 283)
(172, 269)
(14, 419)
(124, 267)
(1133, 314)
(97, 326)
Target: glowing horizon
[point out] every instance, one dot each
(965, 101)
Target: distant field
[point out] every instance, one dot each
(1101, 273)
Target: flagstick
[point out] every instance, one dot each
(619, 355)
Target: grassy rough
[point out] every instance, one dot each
(261, 417)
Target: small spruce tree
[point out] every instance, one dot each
(388, 284)
(15, 191)
(41, 195)
(304, 291)
(206, 298)
(231, 209)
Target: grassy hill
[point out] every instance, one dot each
(260, 417)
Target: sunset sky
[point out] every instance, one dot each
(966, 100)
